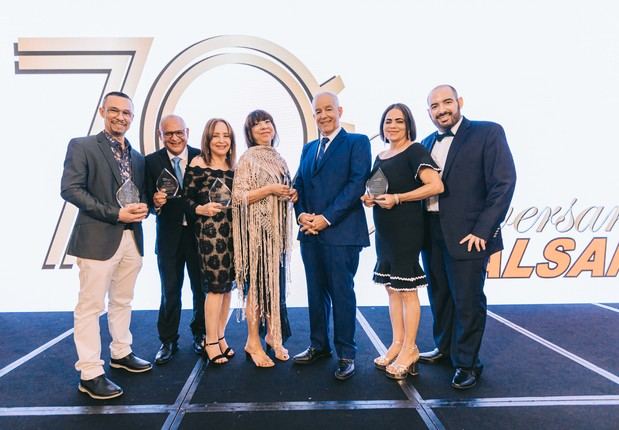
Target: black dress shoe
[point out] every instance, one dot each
(198, 344)
(165, 353)
(310, 355)
(345, 369)
(131, 363)
(100, 388)
(465, 378)
(432, 357)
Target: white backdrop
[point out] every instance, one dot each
(547, 71)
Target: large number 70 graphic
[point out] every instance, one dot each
(122, 61)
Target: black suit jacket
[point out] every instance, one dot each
(90, 180)
(170, 216)
(479, 177)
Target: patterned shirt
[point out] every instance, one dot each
(122, 157)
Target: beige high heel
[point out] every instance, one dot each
(400, 371)
(262, 362)
(280, 352)
(383, 361)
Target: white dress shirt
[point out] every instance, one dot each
(439, 155)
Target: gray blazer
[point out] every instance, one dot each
(90, 180)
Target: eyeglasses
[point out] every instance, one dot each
(178, 133)
(116, 112)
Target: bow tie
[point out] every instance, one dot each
(440, 137)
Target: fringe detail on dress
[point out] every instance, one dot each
(262, 234)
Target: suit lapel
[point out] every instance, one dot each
(165, 160)
(192, 152)
(456, 145)
(104, 146)
(310, 156)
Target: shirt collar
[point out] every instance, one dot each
(112, 141)
(183, 155)
(333, 135)
(456, 126)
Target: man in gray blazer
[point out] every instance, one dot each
(107, 241)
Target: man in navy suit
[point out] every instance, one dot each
(464, 229)
(330, 180)
(175, 245)
(107, 241)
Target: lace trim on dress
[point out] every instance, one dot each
(399, 278)
(388, 285)
(425, 165)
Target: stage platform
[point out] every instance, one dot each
(546, 366)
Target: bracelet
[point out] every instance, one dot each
(397, 199)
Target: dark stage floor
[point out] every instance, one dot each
(546, 366)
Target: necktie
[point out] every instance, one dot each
(321, 150)
(177, 170)
(440, 137)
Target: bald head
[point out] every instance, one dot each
(443, 88)
(171, 118)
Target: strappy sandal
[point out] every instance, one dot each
(229, 352)
(219, 357)
(383, 361)
(400, 371)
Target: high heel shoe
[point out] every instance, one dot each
(219, 357)
(400, 371)
(383, 361)
(263, 364)
(280, 352)
(229, 352)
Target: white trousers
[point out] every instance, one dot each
(115, 277)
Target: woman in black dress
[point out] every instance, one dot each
(398, 216)
(213, 231)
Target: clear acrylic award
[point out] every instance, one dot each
(286, 182)
(127, 194)
(377, 184)
(220, 193)
(168, 184)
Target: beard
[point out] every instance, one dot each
(453, 118)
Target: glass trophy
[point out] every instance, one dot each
(168, 184)
(377, 184)
(286, 182)
(220, 193)
(127, 194)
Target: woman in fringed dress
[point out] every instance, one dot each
(262, 232)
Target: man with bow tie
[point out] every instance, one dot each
(175, 246)
(463, 229)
